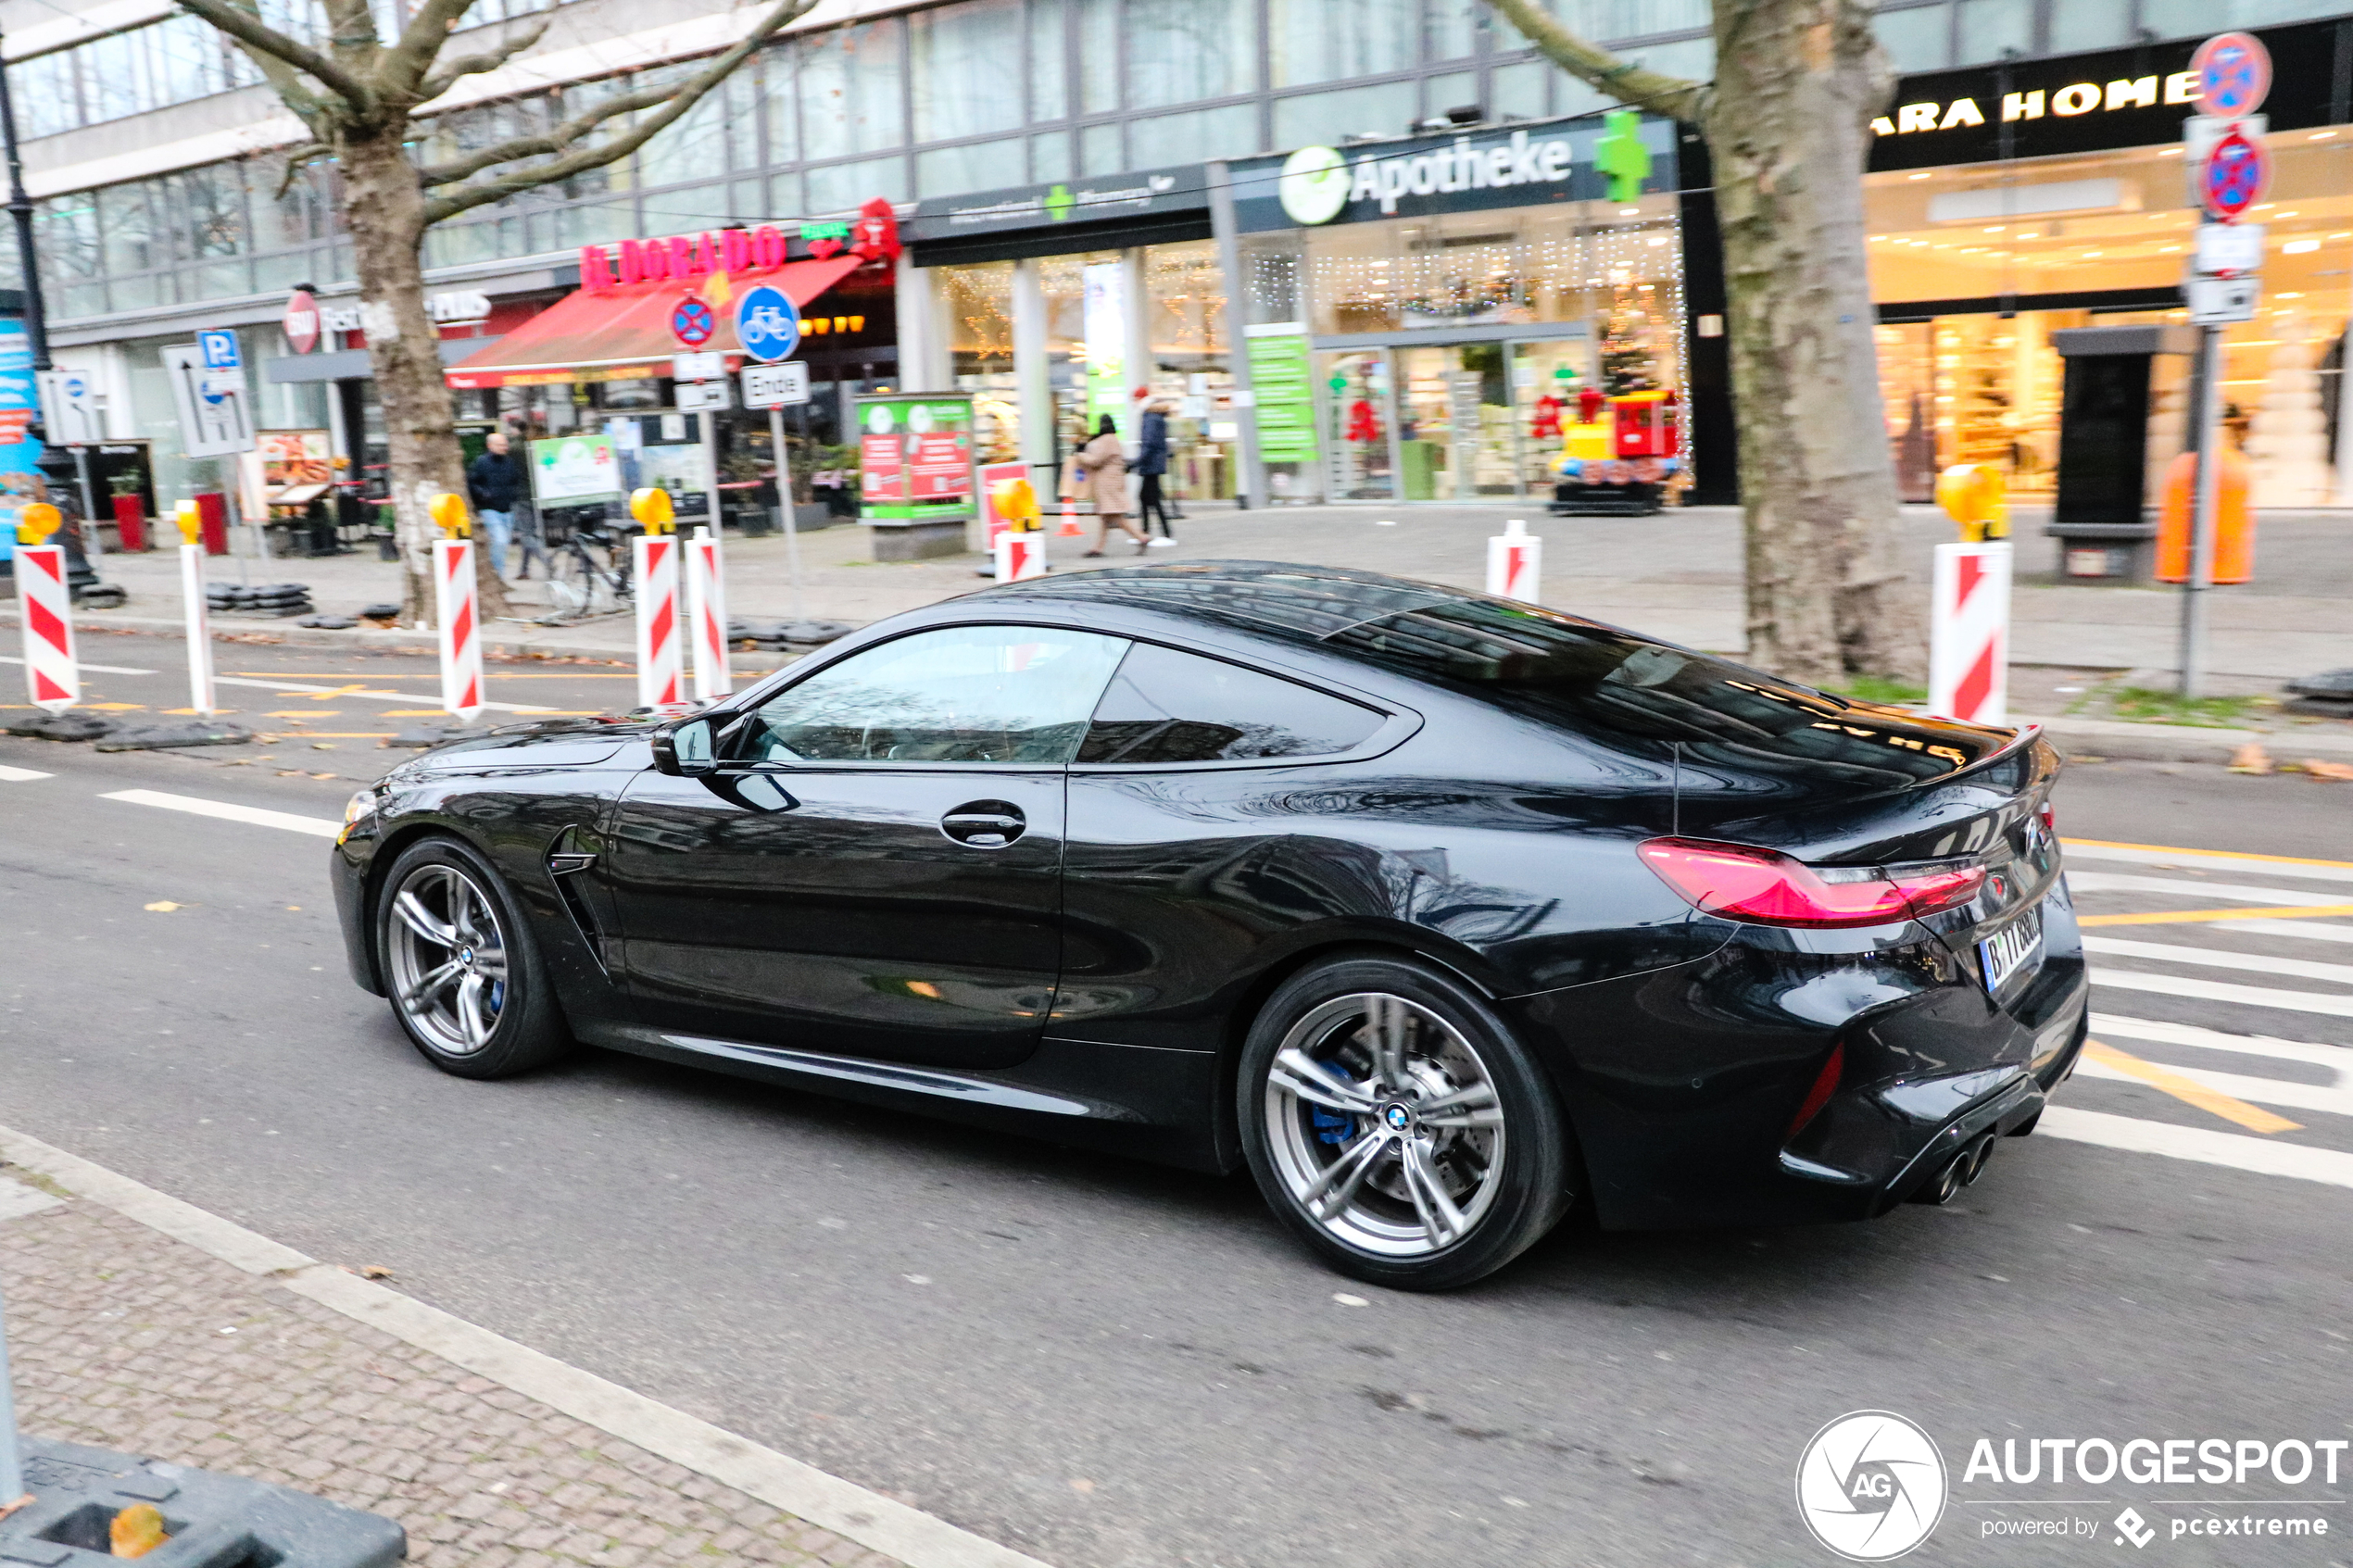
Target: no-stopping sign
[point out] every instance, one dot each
(2238, 172)
(2233, 73)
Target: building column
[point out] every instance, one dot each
(1250, 480)
(925, 363)
(1033, 392)
(1136, 356)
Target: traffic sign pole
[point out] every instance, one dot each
(785, 508)
(2209, 425)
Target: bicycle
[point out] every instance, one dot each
(580, 586)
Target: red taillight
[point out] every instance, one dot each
(2050, 822)
(1825, 1086)
(1767, 888)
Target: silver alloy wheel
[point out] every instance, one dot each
(449, 959)
(1385, 1125)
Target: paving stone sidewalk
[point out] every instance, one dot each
(126, 1338)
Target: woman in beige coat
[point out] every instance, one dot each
(1105, 466)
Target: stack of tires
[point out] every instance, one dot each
(273, 599)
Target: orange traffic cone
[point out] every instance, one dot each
(1070, 529)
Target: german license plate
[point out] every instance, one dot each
(2016, 947)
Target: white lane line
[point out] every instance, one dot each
(2315, 930)
(2255, 865)
(879, 1523)
(100, 669)
(2224, 991)
(20, 775)
(2265, 1157)
(2239, 1086)
(2162, 1031)
(2260, 963)
(2229, 892)
(321, 826)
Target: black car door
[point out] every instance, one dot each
(876, 871)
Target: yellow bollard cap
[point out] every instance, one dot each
(37, 521)
(1016, 502)
(449, 513)
(652, 506)
(190, 520)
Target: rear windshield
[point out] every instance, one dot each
(1618, 687)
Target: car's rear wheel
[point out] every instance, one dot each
(1394, 1121)
(460, 966)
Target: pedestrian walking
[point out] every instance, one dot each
(496, 480)
(1105, 465)
(1151, 463)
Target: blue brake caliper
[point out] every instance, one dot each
(1331, 1126)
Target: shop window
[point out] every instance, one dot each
(1189, 370)
(1330, 117)
(1182, 51)
(1331, 40)
(1231, 132)
(961, 58)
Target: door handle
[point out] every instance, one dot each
(985, 824)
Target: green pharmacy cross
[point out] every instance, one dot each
(1622, 155)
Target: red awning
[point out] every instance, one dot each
(624, 331)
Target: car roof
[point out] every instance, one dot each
(1294, 603)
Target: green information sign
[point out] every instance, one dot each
(915, 457)
(574, 470)
(1283, 382)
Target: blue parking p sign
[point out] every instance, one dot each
(219, 350)
(767, 323)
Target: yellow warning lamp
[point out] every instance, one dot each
(1972, 495)
(652, 506)
(190, 520)
(37, 521)
(449, 513)
(1016, 503)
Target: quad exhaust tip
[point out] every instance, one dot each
(1961, 1170)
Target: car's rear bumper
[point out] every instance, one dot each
(1685, 1084)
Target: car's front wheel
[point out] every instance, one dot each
(458, 964)
(1394, 1121)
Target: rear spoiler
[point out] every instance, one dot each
(2022, 741)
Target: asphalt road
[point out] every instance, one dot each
(1108, 1364)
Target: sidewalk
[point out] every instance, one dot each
(125, 1337)
(1677, 576)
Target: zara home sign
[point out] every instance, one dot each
(2076, 98)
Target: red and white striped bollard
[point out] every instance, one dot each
(1515, 561)
(1969, 641)
(707, 610)
(51, 675)
(656, 566)
(458, 611)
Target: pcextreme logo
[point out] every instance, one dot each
(1871, 1485)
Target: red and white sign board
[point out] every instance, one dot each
(2234, 72)
(1515, 561)
(1968, 640)
(301, 321)
(198, 622)
(707, 612)
(659, 678)
(458, 614)
(51, 674)
(1020, 552)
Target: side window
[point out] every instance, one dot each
(961, 694)
(1170, 707)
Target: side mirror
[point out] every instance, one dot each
(686, 749)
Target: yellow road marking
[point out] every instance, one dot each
(338, 734)
(414, 713)
(306, 713)
(2205, 854)
(2191, 917)
(2254, 1117)
(117, 707)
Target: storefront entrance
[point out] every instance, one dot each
(1449, 421)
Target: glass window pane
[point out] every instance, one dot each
(1050, 155)
(1171, 706)
(1231, 132)
(1920, 39)
(2081, 25)
(1454, 28)
(1606, 20)
(1694, 58)
(1520, 89)
(850, 98)
(1048, 62)
(216, 209)
(1098, 56)
(1099, 151)
(961, 59)
(65, 237)
(1991, 27)
(1180, 51)
(844, 187)
(780, 88)
(1455, 90)
(130, 239)
(1325, 40)
(982, 166)
(963, 694)
(694, 147)
(1323, 119)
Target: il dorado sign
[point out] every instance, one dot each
(872, 236)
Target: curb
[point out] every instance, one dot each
(2123, 742)
(877, 1523)
(358, 638)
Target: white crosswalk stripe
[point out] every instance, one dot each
(228, 811)
(2250, 865)
(2224, 991)
(2311, 930)
(2267, 1156)
(2182, 886)
(20, 775)
(2214, 958)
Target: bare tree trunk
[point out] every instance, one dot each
(1788, 126)
(385, 210)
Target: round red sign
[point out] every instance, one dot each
(2234, 72)
(301, 321)
(2238, 174)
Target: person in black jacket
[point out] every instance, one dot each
(1151, 463)
(496, 480)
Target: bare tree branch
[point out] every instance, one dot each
(677, 101)
(490, 59)
(1596, 67)
(406, 63)
(298, 160)
(247, 29)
